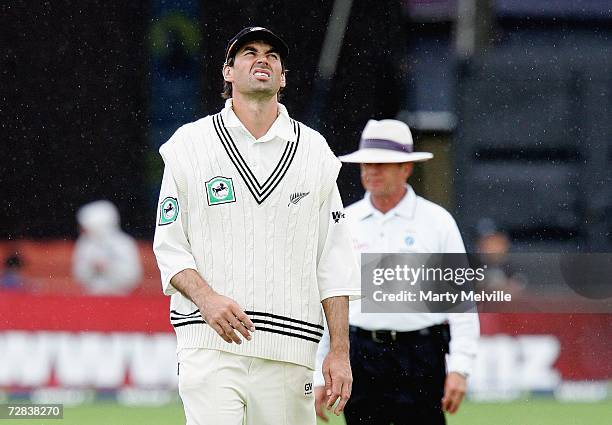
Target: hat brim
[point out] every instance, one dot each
(265, 35)
(384, 156)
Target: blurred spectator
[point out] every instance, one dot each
(493, 245)
(491, 240)
(11, 277)
(106, 260)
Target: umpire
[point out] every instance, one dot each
(401, 371)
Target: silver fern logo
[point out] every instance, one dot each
(296, 197)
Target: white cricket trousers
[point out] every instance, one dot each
(219, 388)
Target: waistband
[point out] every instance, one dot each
(391, 336)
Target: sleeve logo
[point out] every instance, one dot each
(220, 190)
(337, 216)
(168, 211)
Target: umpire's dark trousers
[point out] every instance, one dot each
(398, 377)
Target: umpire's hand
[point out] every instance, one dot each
(454, 391)
(338, 380)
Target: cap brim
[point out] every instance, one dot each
(267, 36)
(384, 156)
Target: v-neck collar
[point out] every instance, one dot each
(259, 191)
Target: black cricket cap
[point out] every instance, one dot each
(256, 33)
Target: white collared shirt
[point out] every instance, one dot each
(263, 153)
(419, 226)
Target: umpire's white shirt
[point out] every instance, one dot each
(419, 226)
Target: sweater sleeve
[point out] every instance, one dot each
(337, 270)
(171, 244)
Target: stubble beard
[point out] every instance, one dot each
(265, 89)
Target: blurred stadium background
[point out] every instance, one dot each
(514, 97)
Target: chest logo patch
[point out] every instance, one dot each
(409, 240)
(168, 211)
(220, 190)
(296, 197)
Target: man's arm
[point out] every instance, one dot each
(223, 314)
(178, 267)
(338, 278)
(318, 380)
(465, 330)
(336, 366)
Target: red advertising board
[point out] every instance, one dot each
(585, 340)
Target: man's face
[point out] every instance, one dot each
(257, 69)
(385, 179)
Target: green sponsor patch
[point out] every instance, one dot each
(220, 190)
(168, 211)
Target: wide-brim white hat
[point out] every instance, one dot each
(386, 141)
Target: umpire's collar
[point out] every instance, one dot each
(281, 128)
(405, 208)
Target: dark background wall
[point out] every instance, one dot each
(533, 148)
(525, 139)
(73, 107)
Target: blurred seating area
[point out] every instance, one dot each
(47, 267)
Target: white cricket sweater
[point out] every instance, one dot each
(277, 246)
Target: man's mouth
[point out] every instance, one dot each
(262, 74)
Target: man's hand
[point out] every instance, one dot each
(338, 380)
(225, 316)
(337, 366)
(320, 397)
(454, 391)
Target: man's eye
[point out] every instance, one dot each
(275, 57)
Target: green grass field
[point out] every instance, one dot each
(535, 412)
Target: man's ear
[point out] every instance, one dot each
(408, 168)
(283, 79)
(227, 73)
